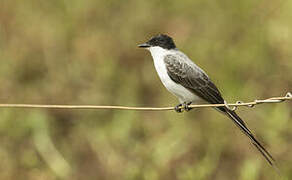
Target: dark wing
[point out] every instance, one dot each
(194, 79)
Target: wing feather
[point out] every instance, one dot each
(192, 78)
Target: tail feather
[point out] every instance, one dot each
(242, 126)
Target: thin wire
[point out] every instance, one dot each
(234, 105)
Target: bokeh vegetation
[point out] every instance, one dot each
(85, 52)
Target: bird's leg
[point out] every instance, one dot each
(179, 108)
(186, 106)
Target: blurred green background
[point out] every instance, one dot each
(85, 52)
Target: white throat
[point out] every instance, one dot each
(158, 52)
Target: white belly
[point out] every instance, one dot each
(183, 94)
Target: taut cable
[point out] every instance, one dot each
(233, 106)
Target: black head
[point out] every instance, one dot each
(160, 40)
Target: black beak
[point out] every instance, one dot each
(144, 45)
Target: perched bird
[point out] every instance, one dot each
(190, 84)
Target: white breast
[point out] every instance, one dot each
(183, 94)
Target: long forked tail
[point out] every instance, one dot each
(242, 126)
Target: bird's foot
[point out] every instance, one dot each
(186, 106)
(179, 108)
(183, 107)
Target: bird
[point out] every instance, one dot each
(190, 84)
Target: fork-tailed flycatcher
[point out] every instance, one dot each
(190, 84)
